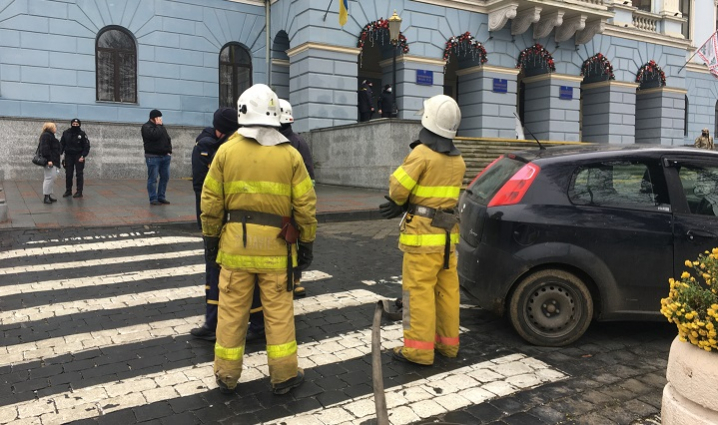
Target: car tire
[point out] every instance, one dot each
(551, 308)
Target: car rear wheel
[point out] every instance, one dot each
(551, 308)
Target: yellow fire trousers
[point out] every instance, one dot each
(431, 307)
(236, 288)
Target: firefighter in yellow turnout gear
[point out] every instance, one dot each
(426, 189)
(256, 188)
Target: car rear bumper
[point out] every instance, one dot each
(486, 274)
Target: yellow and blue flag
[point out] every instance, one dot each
(343, 12)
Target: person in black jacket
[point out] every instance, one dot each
(224, 125)
(385, 102)
(366, 101)
(76, 146)
(51, 150)
(158, 154)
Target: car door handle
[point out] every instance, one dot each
(700, 233)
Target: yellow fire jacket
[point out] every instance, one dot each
(271, 179)
(430, 179)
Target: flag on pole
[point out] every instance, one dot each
(708, 52)
(343, 12)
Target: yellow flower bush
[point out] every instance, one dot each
(692, 303)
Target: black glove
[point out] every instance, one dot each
(390, 209)
(305, 255)
(211, 247)
(64, 164)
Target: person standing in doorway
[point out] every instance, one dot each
(158, 154)
(76, 146)
(386, 102)
(366, 101)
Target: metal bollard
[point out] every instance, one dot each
(3, 211)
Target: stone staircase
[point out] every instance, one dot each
(480, 152)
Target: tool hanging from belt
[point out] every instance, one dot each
(288, 232)
(443, 219)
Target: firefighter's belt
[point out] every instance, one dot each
(443, 219)
(254, 217)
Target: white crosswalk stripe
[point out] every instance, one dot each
(75, 343)
(441, 393)
(109, 279)
(100, 262)
(98, 246)
(119, 301)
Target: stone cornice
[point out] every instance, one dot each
(569, 27)
(552, 76)
(414, 59)
(547, 23)
(648, 37)
(321, 46)
(280, 62)
(698, 67)
(597, 26)
(663, 90)
(524, 19)
(253, 2)
(609, 84)
(488, 68)
(499, 16)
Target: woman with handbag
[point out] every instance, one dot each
(51, 150)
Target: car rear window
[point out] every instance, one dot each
(486, 186)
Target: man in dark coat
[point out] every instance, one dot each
(286, 118)
(158, 154)
(76, 146)
(366, 101)
(224, 125)
(386, 102)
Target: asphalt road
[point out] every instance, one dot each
(95, 327)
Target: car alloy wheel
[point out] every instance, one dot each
(551, 308)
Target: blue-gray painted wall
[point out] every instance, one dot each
(47, 59)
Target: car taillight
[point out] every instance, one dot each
(484, 170)
(514, 189)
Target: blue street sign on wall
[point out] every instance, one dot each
(500, 85)
(425, 78)
(565, 93)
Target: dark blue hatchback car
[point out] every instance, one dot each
(557, 237)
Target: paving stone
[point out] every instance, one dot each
(152, 411)
(330, 397)
(522, 419)
(186, 418)
(485, 412)
(508, 405)
(547, 414)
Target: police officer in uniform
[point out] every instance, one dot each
(705, 141)
(425, 188)
(259, 222)
(76, 146)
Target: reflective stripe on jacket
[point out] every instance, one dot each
(248, 176)
(433, 180)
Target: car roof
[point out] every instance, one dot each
(570, 153)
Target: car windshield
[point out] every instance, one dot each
(486, 186)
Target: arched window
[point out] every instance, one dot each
(235, 74)
(116, 65)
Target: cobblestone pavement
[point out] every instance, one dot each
(95, 329)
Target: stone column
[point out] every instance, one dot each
(486, 112)
(546, 114)
(609, 112)
(322, 85)
(660, 114)
(410, 94)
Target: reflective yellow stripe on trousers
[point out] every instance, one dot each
(225, 353)
(237, 262)
(281, 350)
(427, 240)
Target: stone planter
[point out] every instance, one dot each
(691, 395)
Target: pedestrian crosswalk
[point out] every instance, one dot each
(106, 336)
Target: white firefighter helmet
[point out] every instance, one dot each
(441, 115)
(285, 112)
(258, 105)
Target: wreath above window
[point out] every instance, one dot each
(379, 31)
(597, 68)
(465, 44)
(536, 57)
(651, 73)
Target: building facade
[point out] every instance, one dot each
(579, 70)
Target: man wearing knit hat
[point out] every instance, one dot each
(224, 125)
(76, 146)
(158, 154)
